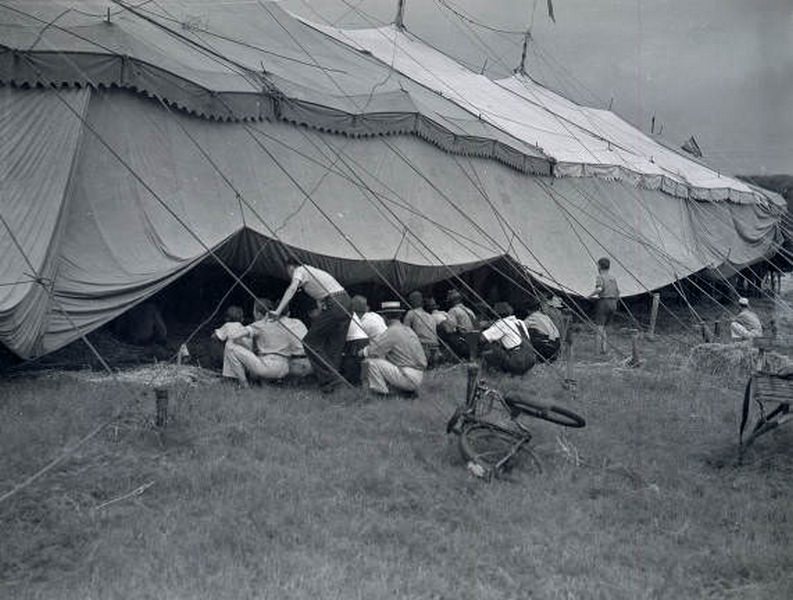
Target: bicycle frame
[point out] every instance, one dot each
(476, 390)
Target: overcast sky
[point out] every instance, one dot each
(721, 70)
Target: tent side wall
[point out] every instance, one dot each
(155, 191)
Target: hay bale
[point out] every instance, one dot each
(156, 375)
(735, 361)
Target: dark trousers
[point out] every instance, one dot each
(547, 350)
(516, 362)
(455, 342)
(324, 342)
(351, 363)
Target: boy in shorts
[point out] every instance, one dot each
(607, 293)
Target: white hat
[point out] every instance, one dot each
(743, 301)
(555, 302)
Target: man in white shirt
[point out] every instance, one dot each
(746, 324)
(508, 346)
(364, 326)
(324, 342)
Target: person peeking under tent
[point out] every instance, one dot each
(425, 326)
(276, 351)
(460, 320)
(507, 346)
(365, 325)
(543, 333)
(394, 361)
(324, 342)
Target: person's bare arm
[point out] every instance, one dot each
(286, 298)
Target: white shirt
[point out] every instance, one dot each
(316, 282)
(439, 315)
(233, 330)
(506, 330)
(543, 324)
(367, 326)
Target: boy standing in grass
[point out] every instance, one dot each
(607, 293)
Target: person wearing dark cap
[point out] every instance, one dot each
(543, 333)
(507, 342)
(607, 293)
(394, 361)
(459, 322)
(420, 321)
(324, 342)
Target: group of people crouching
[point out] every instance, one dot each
(388, 350)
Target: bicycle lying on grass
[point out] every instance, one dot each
(491, 449)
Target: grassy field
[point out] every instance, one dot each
(277, 492)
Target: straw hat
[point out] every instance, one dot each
(391, 308)
(743, 301)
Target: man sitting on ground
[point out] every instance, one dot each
(364, 326)
(553, 307)
(394, 360)
(746, 324)
(543, 333)
(459, 322)
(420, 321)
(274, 344)
(507, 342)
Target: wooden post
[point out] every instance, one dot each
(567, 353)
(716, 330)
(635, 361)
(161, 396)
(473, 377)
(654, 314)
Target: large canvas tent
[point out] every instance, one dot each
(136, 143)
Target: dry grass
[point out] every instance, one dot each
(280, 493)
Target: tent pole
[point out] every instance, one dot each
(399, 20)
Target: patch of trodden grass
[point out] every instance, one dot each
(281, 493)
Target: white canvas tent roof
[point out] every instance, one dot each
(252, 134)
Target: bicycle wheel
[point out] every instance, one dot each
(496, 448)
(520, 406)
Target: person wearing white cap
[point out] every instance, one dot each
(364, 326)
(395, 359)
(746, 325)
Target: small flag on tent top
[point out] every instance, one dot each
(550, 11)
(692, 147)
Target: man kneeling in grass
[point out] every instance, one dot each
(276, 344)
(394, 360)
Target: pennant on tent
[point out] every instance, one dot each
(692, 147)
(550, 11)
